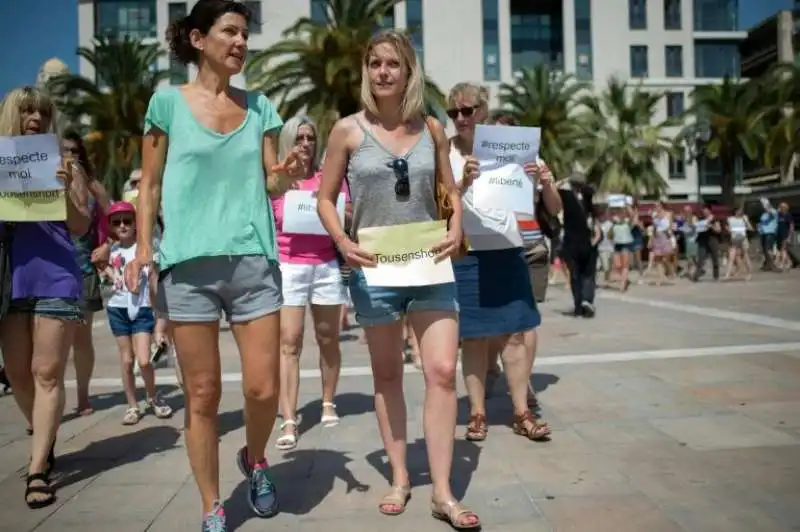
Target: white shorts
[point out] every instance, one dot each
(318, 284)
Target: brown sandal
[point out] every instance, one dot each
(454, 513)
(398, 497)
(526, 424)
(476, 428)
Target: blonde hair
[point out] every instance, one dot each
(288, 138)
(25, 99)
(479, 93)
(414, 95)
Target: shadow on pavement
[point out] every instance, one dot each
(466, 456)
(105, 455)
(347, 404)
(303, 479)
(105, 401)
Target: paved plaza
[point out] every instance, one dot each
(676, 409)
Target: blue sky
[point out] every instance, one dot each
(32, 31)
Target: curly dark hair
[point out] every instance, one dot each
(204, 14)
(83, 156)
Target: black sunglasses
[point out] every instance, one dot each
(402, 188)
(122, 221)
(466, 112)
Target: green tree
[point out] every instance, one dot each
(734, 119)
(547, 99)
(110, 109)
(316, 68)
(781, 116)
(621, 142)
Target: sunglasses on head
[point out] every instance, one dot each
(466, 112)
(402, 188)
(116, 222)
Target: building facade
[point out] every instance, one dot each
(668, 45)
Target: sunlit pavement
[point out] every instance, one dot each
(676, 408)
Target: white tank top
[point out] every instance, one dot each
(737, 225)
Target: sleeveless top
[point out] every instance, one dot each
(371, 180)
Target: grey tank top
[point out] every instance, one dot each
(371, 180)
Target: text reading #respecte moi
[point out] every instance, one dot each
(506, 151)
(21, 159)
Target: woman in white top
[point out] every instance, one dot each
(495, 295)
(738, 226)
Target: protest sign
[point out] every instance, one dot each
(300, 213)
(404, 254)
(618, 201)
(29, 188)
(502, 151)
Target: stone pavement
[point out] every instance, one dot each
(677, 408)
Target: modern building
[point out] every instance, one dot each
(667, 45)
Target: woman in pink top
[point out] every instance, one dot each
(310, 276)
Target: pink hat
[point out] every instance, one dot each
(120, 207)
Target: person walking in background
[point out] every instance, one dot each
(785, 236)
(393, 158)
(208, 149)
(709, 232)
(579, 245)
(768, 230)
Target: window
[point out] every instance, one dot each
(319, 13)
(255, 16)
(414, 24)
(716, 59)
(132, 18)
(677, 166)
(491, 41)
(178, 72)
(672, 14)
(639, 61)
(637, 14)
(675, 104)
(674, 61)
(583, 39)
(176, 10)
(716, 15)
(537, 36)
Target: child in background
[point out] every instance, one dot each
(130, 316)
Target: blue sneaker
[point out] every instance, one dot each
(261, 495)
(214, 521)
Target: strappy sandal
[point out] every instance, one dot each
(287, 441)
(397, 497)
(455, 514)
(47, 489)
(329, 420)
(526, 424)
(476, 428)
(132, 416)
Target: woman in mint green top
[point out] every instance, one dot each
(205, 150)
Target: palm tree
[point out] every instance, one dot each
(782, 117)
(111, 108)
(546, 98)
(621, 142)
(316, 68)
(733, 115)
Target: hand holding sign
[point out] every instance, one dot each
(449, 246)
(471, 171)
(538, 170)
(355, 256)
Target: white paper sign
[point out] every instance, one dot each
(502, 151)
(618, 201)
(29, 163)
(404, 255)
(300, 213)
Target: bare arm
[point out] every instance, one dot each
(551, 199)
(277, 182)
(331, 184)
(445, 172)
(79, 218)
(154, 153)
(100, 194)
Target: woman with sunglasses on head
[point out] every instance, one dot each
(311, 277)
(72, 147)
(391, 154)
(494, 286)
(44, 308)
(207, 147)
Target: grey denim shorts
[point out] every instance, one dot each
(244, 287)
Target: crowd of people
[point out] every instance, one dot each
(218, 161)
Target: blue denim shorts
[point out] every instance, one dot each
(379, 305)
(122, 325)
(60, 308)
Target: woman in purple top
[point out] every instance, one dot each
(37, 330)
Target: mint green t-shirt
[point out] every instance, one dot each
(213, 194)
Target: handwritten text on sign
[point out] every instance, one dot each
(404, 254)
(300, 213)
(502, 152)
(29, 188)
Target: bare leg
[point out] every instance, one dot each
(292, 330)
(83, 358)
(326, 328)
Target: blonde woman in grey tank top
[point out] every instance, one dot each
(390, 156)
